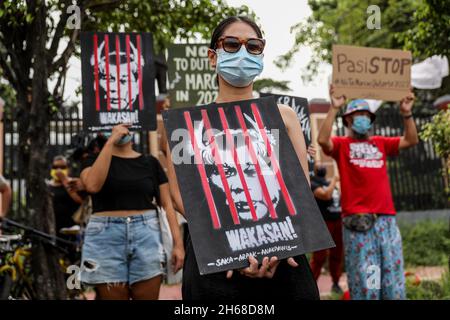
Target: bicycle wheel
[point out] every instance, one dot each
(6, 283)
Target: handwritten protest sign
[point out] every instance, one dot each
(255, 200)
(192, 81)
(372, 73)
(118, 80)
(301, 108)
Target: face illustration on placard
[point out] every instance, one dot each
(247, 166)
(119, 81)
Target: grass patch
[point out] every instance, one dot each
(426, 243)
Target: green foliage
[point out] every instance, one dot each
(8, 95)
(166, 19)
(430, 30)
(426, 243)
(345, 22)
(268, 85)
(438, 131)
(429, 290)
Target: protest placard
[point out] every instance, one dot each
(242, 185)
(192, 81)
(118, 80)
(301, 108)
(372, 73)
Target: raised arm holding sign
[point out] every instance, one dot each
(371, 235)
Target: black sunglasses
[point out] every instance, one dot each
(59, 167)
(233, 44)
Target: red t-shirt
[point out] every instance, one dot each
(362, 168)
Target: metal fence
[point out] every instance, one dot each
(62, 128)
(416, 175)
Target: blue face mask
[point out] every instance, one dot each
(121, 141)
(239, 68)
(361, 124)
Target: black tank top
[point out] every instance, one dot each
(131, 184)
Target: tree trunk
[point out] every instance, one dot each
(47, 273)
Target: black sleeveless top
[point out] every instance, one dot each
(131, 184)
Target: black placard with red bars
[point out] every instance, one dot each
(242, 185)
(118, 80)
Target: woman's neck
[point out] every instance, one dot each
(229, 93)
(124, 151)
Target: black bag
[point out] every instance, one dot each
(359, 222)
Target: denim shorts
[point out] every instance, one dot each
(122, 249)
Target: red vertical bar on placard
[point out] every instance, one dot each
(219, 164)
(97, 94)
(130, 102)
(274, 161)
(118, 67)
(202, 172)
(108, 100)
(230, 143)
(141, 98)
(254, 157)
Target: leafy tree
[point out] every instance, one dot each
(438, 131)
(345, 22)
(422, 26)
(430, 29)
(35, 46)
(268, 85)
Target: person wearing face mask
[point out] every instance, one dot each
(327, 196)
(122, 254)
(372, 241)
(236, 53)
(65, 193)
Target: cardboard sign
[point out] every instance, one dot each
(118, 80)
(242, 185)
(301, 108)
(192, 81)
(372, 73)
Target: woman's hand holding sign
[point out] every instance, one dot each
(266, 270)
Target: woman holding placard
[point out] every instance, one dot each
(236, 52)
(122, 254)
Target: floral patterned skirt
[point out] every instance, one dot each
(374, 261)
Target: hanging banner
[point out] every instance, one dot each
(372, 73)
(192, 81)
(242, 185)
(118, 81)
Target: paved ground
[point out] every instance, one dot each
(430, 273)
(173, 292)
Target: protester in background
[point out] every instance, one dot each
(328, 199)
(372, 241)
(238, 61)
(5, 190)
(122, 254)
(64, 190)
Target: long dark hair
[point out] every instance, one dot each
(218, 31)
